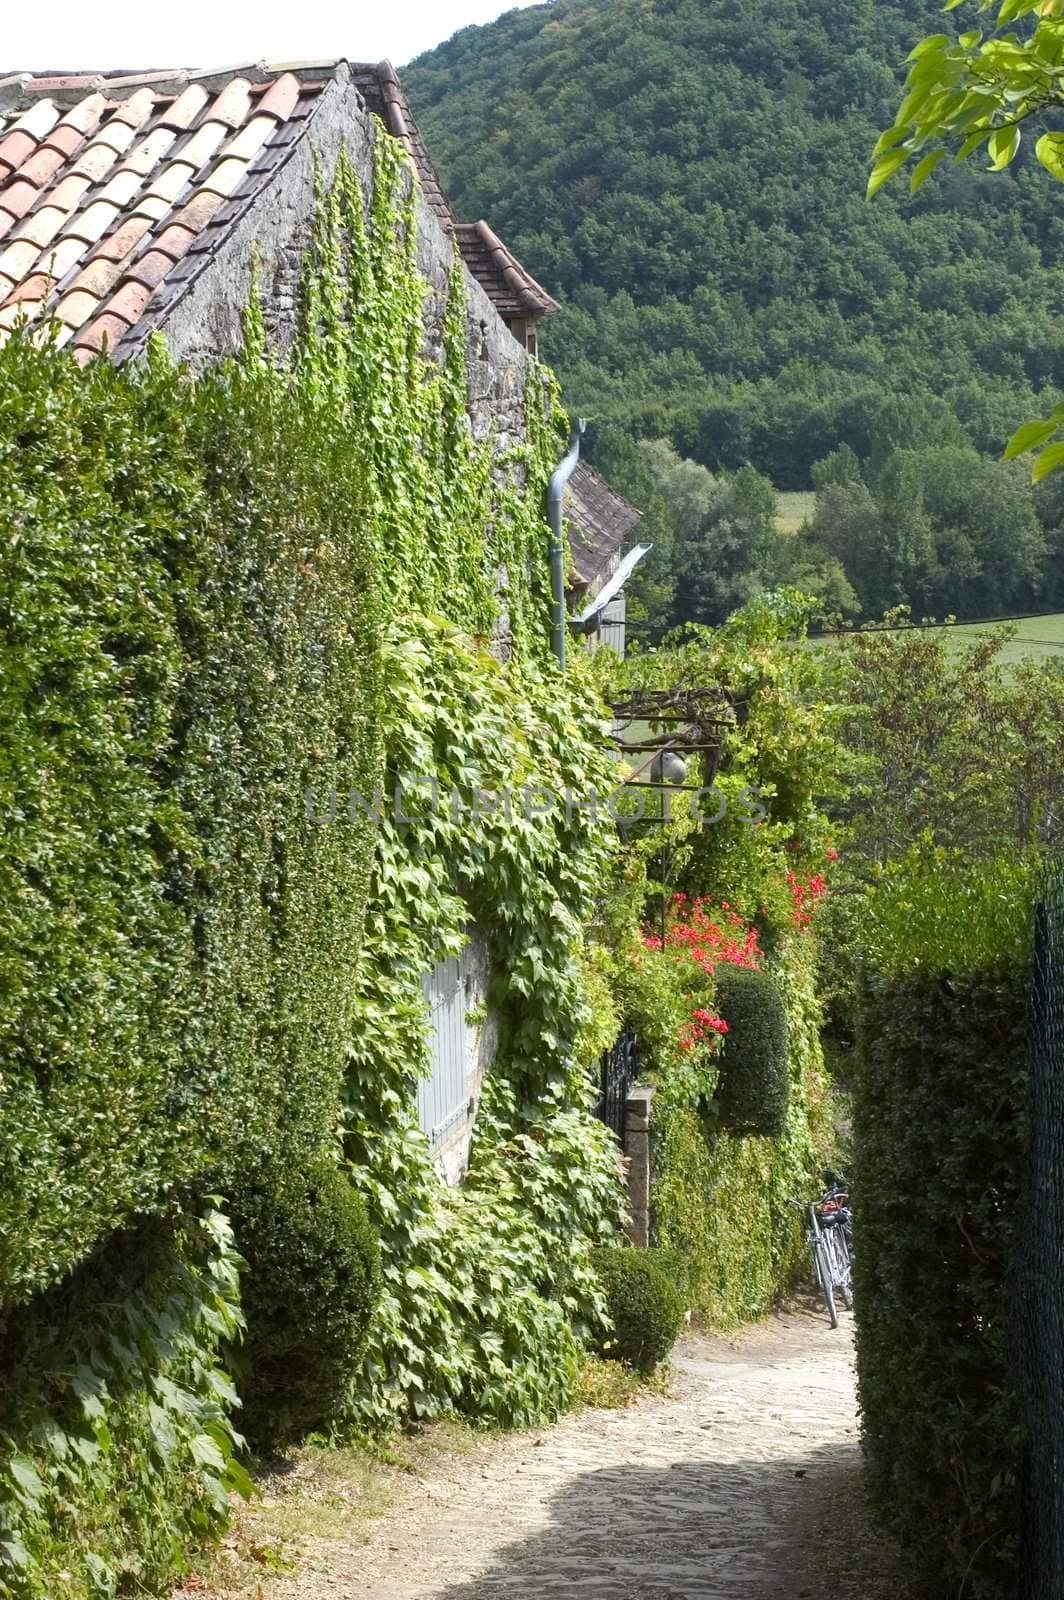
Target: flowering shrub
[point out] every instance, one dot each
(708, 934)
(805, 892)
(698, 936)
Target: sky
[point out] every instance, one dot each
(218, 33)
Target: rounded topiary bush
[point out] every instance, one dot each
(753, 1089)
(312, 1279)
(645, 1305)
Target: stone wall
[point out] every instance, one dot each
(206, 322)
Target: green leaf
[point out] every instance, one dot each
(888, 140)
(1050, 151)
(1029, 437)
(924, 168)
(239, 1479)
(1047, 462)
(14, 1553)
(973, 141)
(885, 169)
(29, 1487)
(1004, 143)
(206, 1453)
(937, 41)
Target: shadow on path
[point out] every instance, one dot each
(782, 1530)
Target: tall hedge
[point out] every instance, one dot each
(187, 626)
(754, 1087)
(940, 1142)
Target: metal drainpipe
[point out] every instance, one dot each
(555, 494)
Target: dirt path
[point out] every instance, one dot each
(742, 1484)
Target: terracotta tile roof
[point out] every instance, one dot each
(604, 521)
(513, 291)
(115, 188)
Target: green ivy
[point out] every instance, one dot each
(484, 1285)
(116, 1448)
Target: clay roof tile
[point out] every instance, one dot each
(233, 104)
(92, 165)
(17, 148)
(104, 332)
(280, 98)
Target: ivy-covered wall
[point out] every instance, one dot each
(223, 593)
(190, 604)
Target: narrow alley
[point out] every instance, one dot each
(742, 1484)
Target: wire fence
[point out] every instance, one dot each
(1039, 1291)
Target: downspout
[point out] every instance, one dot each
(555, 495)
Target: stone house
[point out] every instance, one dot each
(136, 204)
(132, 204)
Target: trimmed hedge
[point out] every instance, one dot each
(940, 1134)
(754, 1087)
(313, 1279)
(644, 1304)
(188, 625)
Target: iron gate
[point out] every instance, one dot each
(618, 1070)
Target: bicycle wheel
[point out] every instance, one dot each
(845, 1271)
(822, 1258)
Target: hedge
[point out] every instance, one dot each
(312, 1282)
(754, 1085)
(940, 1142)
(645, 1306)
(180, 656)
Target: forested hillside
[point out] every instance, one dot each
(688, 176)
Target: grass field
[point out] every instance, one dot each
(794, 506)
(1037, 638)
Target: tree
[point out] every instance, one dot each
(945, 531)
(942, 744)
(721, 532)
(690, 188)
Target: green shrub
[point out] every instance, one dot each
(939, 1145)
(721, 1200)
(754, 1086)
(313, 1274)
(644, 1304)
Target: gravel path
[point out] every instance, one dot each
(742, 1484)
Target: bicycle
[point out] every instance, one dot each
(829, 1235)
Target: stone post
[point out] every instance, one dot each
(637, 1110)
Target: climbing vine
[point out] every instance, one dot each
(125, 1459)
